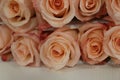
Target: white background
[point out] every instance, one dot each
(12, 71)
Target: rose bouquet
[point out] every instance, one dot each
(60, 33)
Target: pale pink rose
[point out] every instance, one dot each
(6, 39)
(60, 49)
(113, 9)
(19, 15)
(25, 49)
(89, 9)
(56, 12)
(112, 43)
(91, 43)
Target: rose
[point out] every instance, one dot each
(113, 9)
(19, 15)
(112, 43)
(60, 49)
(6, 39)
(56, 12)
(25, 49)
(88, 9)
(91, 43)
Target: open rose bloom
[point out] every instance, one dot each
(112, 43)
(19, 15)
(88, 9)
(56, 12)
(60, 49)
(25, 49)
(91, 37)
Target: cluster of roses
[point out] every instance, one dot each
(33, 32)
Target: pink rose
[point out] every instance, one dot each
(89, 9)
(112, 43)
(91, 43)
(19, 15)
(60, 49)
(25, 49)
(56, 12)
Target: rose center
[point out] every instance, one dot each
(22, 50)
(56, 4)
(90, 4)
(96, 47)
(14, 6)
(57, 51)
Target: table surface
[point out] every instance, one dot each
(12, 71)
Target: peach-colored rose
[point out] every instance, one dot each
(112, 43)
(113, 9)
(19, 15)
(91, 43)
(25, 49)
(56, 12)
(60, 49)
(88, 9)
(6, 39)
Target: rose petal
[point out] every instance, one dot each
(6, 39)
